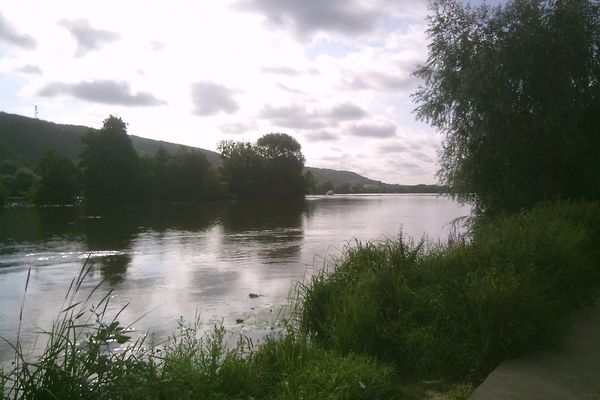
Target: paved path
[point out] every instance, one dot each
(573, 372)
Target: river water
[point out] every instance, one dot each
(179, 260)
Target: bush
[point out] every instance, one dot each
(456, 312)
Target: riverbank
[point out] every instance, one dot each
(390, 321)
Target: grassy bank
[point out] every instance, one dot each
(454, 312)
(387, 318)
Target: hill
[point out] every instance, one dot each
(341, 177)
(26, 140)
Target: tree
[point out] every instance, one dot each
(3, 194)
(284, 165)
(110, 165)
(186, 176)
(516, 92)
(59, 181)
(24, 181)
(243, 170)
(273, 168)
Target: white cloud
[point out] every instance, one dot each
(87, 37)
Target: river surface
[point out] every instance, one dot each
(179, 260)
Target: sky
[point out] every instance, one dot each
(335, 75)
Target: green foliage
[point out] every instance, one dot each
(8, 167)
(284, 165)
(456, 312)
(80, 362)
(185, 176)
(3, 194)
(515, 89)
(271, 169)
(16, 180)
(59, 180)
(110, 165)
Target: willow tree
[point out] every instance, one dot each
(515, 90)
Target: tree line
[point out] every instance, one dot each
(111, 171)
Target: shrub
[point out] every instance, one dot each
(455, 312)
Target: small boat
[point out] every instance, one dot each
(330, 193)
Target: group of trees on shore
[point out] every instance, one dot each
(111, 171)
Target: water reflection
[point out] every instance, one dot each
(262, 216)
(175, 260)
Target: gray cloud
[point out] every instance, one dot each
(373, 130)
(297, 117)
(101, 91)
(394, 148)
(87, 37)
(399, 82)
(311, 16)
(282, 70)
(347, 111)
(290, 89)
(405, 166)
(211, 98)
(30, 69)
(237, 128)
(410, 150)
(419, 155)
(321, 136)
(293, 116)
(10, 35)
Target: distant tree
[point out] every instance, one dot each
(110, 165)
(342, 188)
(188, 176)
(59, 181)
(357, 188)
(243, 168)
(3, 194)
(24, 181)
(8, 167)
(273, 168)
(284, 165)
(516, 92)
(310, 182)
(325, 187)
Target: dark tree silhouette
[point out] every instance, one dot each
(59, 182)
(516, 92)
(273, 168)
(110, 165)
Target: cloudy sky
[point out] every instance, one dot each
(334, 74)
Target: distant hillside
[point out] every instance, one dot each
(341, 177)
(26, 140)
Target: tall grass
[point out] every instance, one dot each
(455, 311)
(91, 356)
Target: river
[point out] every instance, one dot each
(179, 260)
